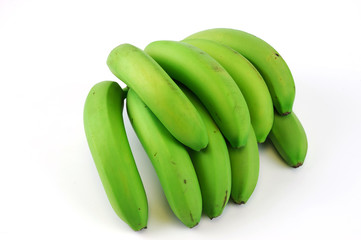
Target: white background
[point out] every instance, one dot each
(53, 52)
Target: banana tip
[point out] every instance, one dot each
(239, 202)
(214, 216)
(194, 225)
(298, 165)
(140, 229)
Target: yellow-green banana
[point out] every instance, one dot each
(249, 81)
(171, 162)
(206, 78)
(212, 164)
(108, 143)
(264, 57)
(158, 91)
(245, 169)
(289, 138)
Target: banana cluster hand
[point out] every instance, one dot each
(200, 107)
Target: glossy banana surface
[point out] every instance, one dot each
(264, 57)
(171, 162)
(212, 164)
(210, 82)
(249, 81)
(289, 138)
(245, 169)
(158, 91)
(109, 146)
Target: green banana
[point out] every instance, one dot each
(264, 57)
(245, 169)
(205, 77)
(109, 146)
(171, 162)
(289, 138)
(212, 164)
(158, 91)
(249, 81)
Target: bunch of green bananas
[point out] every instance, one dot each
(199, 107)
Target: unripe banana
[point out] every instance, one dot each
(212, 164)
(206, 78)
(249, 81)
(289, 138)
(264, 57)
(245, 169)
(171, 162)
(158, 91)
(108, 143)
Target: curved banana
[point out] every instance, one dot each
(249, 81)
(205, 77)
(171, 162)
(264, 57)
(245, 169)
(289, 138)
(158, 91)
(109, 146)
(212, 164)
